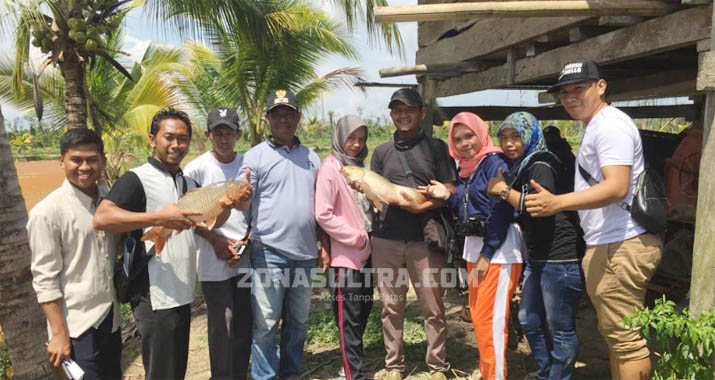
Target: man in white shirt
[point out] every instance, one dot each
(222, 267)
(621, 256)
(72, 264)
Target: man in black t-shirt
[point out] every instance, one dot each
(399, 248)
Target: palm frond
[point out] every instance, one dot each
(389, 32)
(345, 77)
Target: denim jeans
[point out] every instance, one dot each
(280, 289)
(550, 297)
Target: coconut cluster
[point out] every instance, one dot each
(87, 27)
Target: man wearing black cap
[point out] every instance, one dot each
(283, 241)
(222, 268)
(620, 256)
(398, 240)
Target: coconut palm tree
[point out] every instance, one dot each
(72, 34)
(20, 315)
(246, 66)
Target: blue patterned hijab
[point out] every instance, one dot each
(527, 125)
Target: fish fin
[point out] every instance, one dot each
(156, 235)
(210, 223)
(378, 204)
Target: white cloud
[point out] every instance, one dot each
(135, 47)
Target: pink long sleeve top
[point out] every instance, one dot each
(337, 213)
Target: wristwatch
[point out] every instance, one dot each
(504, 194)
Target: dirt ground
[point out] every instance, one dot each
(324, 362)
(37, 179)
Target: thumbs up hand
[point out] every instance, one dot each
(496, 184)
(542, 203)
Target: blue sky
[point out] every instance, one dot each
(140, 33)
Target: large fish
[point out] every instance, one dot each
(207, 201)
(378, 189)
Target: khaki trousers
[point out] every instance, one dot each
(397, 262)
(617, 276)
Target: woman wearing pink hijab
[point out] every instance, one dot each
(492, 240)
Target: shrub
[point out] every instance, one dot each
(685, 344)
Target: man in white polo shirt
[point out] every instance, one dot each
(223, 269)
(621, 256)
(146, 196)
(72, 264)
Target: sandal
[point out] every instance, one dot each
(368, 373)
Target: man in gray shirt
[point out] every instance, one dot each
(284, 240)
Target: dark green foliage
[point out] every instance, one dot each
(685, 343)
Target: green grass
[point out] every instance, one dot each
(5, 364)
(323, 332)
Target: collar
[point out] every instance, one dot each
(160, 165)
(269, 141)
(408, 143)
(86, 201)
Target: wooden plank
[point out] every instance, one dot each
(562, 8)
(706, 71)
(431, 32)
(489, 36)
(650, 37)
(702, 286)
(496, 113)
(620, 21)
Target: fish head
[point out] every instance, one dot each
(353, 173)
(235, 189)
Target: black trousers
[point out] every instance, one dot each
(165, 339)
(99, 351)
(228, 304)
(351, 292)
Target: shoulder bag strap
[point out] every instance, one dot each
(592, 182)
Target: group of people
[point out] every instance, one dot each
(519, 207)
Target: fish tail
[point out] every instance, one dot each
(156, 235)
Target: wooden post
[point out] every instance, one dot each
(561, 8)
(702, 286)
(427, 90)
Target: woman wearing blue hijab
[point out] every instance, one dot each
(553, 278)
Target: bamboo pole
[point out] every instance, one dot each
(377, 84)
(561, 8)
(438, 68)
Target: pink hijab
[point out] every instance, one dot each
(467, 166)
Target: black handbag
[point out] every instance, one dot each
(436, 226)
(649, 206)
(130, 265)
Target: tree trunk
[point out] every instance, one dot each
(24, 325)
(75, 97)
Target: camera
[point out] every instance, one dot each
(471, 227)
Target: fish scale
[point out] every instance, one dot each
(206, 200)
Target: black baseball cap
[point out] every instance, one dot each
(408, 96)
(223, 116)
(281, 98)
(575, 72)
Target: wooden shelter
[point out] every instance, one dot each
(647, 49)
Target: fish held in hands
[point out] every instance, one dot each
(207, 201)
(378, 189)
